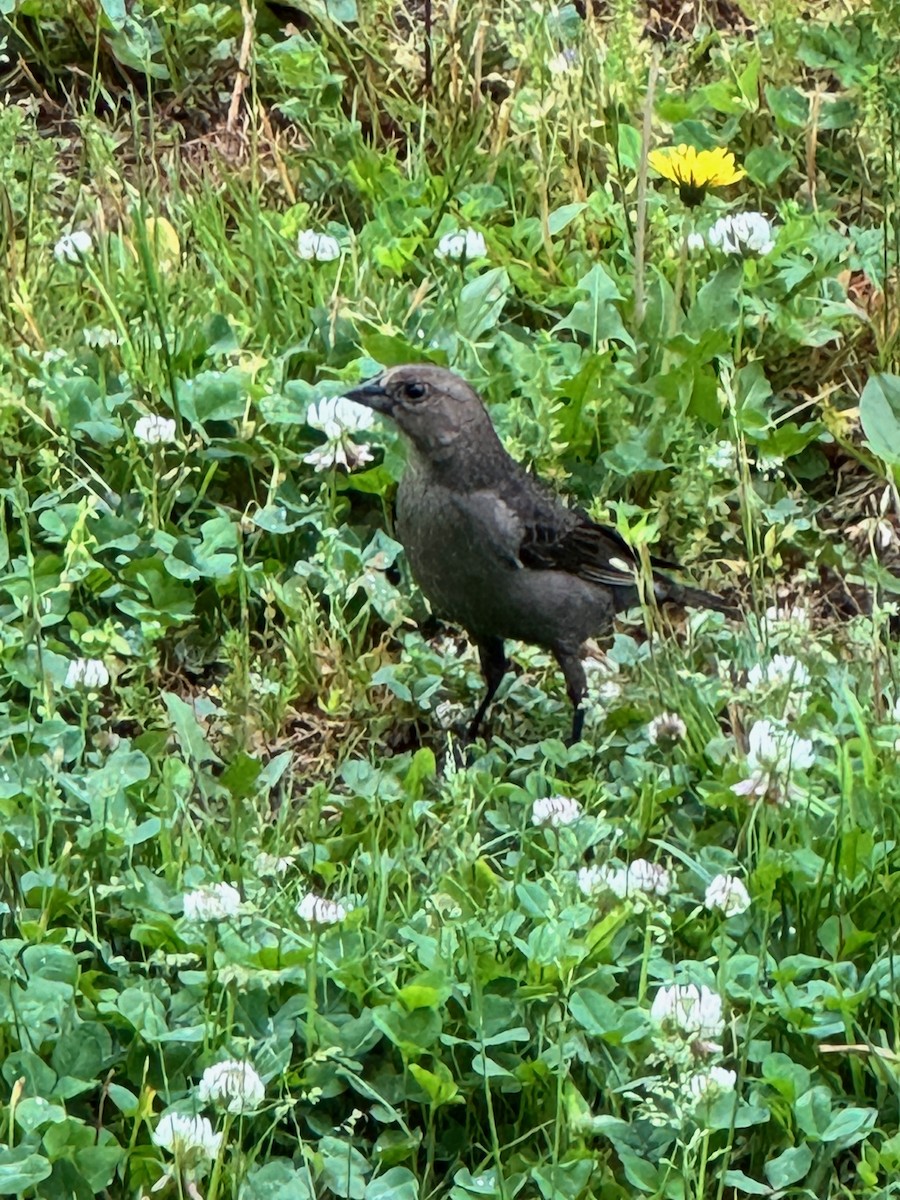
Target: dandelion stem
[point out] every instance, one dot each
(640, 232)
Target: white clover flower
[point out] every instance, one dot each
(316, 910)
(555, 811)
(666, 729)
(708, 1084)
(723, 457)
(190, 1139)
(774, 747)
(100, 339)
(597, 878)
(155, 430)
(727, 892)
(560, 63)
(695, 243)
(72, 247)
(774, 752)
(87, 673)
(338, 418)
(795, 615)
(742, 233)
(270, 866)
(349, 455)
(318, 247)
(603, 686)
(462, 244)
(648, 877)
(234, 1085)
(217, 902)
(641, 878)
(691, 1011)
(783, 671)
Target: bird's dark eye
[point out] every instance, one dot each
(414, 391)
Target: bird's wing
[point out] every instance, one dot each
(527, 527)
(593, 552)
(490, 521)
(558, 538)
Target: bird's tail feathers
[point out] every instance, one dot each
(691, 597)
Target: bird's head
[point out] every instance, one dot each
(436, 409)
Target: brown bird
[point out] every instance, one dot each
(494, 550)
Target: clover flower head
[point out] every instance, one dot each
(555, 811)
(706, 1085)
(742, 233)
(338, 418)
(316, 910)
(774, 752)
(793, 615)
(640, 880)
(216, 902)
(695, 171)
(723, 458)
(317, 247)
(336, 415)
(100, 339)
(695, 243)
(190, 1139)
(155, 430)
(691, 1012)
(666, 729)
(234, 1085)
(783, 671)
(560, 63)
(86, 673)
(603, 686)
(462, 244)
(72, 247)
(268, 866)
(728, 894)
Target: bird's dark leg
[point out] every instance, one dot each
(494, 665)
(576, 686)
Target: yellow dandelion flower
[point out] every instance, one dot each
(696, 170)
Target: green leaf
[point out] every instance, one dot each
(645, 1176)
(398, 1183)
(564, 1181)
(850, 1126)
(789, 1167)
(716, 305)
(115, 11)
(392, 350)
(439, 1084)
(188, 730)
(278, 1179)
(411, 1032)
(789, 107)
(21, 1169)
(214, 396)
(743, 1183)
(563, 216)
(343, 1168)
(481, 302)
(597, 317)
(766, 164)
(879, 414)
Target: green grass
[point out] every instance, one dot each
(281, 712)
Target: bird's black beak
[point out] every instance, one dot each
(372, 395)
